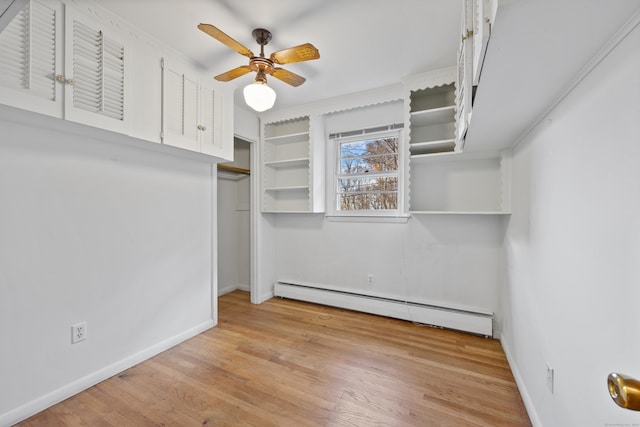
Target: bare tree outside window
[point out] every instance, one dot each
(368, 174)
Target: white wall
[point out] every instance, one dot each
(449, 259)
(572, 248)
(96, 231)
(246, 124)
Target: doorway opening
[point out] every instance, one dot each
(234, 220)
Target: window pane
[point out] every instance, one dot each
(360, 165)
(348, 202)
(368, 174)
(368, 185)
(368, 193)
(376, 155)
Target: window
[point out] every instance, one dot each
(367, 173)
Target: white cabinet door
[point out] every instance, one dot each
(484, 12)
(216, 121)
(195, 116)
(31, 58)
(179, 108)
(464, 82)
(96, 70)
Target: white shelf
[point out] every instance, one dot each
(433, 116)
(430, 148)
(459, 213)
(288, 139)
(454, 156)
(290, 188)
(285, 212)
(289, 163)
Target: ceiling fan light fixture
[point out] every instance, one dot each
(259, 96)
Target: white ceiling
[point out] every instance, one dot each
(363, 44)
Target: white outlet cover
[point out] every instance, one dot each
(78, 332)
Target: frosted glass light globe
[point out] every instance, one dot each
(259, 96)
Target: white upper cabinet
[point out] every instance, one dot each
(464, 82)
(216, 118)
(31, 58)
(180, 122)
(96, 70)
(75, 61)
(93, 75)
(484, 12)
(195, 116)
(477, 20)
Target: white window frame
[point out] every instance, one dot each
(333, 176)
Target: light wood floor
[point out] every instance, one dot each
(288, 363)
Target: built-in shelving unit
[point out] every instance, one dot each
(287, 167)
(432, 120)
(441, 178)
(461, 183)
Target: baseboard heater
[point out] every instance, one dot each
(445, 317)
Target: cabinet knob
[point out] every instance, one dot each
(200, 127)
(63, 79)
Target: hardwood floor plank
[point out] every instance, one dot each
(289, 363)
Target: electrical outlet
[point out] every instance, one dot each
(550, 378)
(370, 279)
(78, 332)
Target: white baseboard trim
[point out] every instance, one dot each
(27, 410)
(522, 388)
(446, 317)
(231, 288)
(225, 290)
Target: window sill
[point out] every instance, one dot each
(392, 218)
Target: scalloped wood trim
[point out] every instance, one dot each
(337, 104)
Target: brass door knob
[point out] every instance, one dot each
(624, 390)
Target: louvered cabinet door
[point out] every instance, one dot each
(216, 116)
(464, 83)
(96, 89)
(206, 119)
(216, 122)
(31, 58)
(484, 12)
(180, 98)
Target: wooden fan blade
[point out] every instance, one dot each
(233, 74)
(304, 52)
(224, 38)
(288, 77)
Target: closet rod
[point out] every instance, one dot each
(234, 169)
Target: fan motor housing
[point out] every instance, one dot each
(258, 63)
(261, 36)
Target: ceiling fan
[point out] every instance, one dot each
(261, 64)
